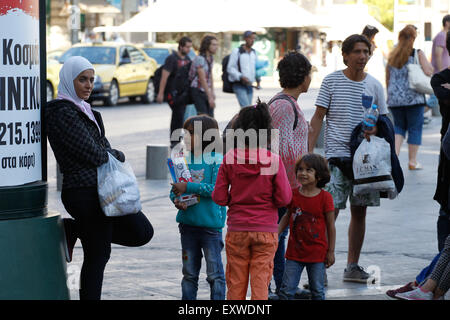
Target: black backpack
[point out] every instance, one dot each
(181, 85)
(227, 84)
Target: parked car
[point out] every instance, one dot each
(122, 70)
(160, 51)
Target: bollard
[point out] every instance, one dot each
(156, 163)
(321, 138)
(59, 178)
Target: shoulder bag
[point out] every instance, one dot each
(418, 80)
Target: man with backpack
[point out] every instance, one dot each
(241, 69)
(170, 75)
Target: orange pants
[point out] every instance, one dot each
(249, 254)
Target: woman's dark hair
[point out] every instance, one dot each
(319, 164)
(183, 41)
(206, 42)
(445, 19)
(255, 117)
(349, 44)
(206, 123)
(370, 31)
(293, 69)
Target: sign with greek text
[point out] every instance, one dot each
(20, 103)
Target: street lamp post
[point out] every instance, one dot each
(31, 260)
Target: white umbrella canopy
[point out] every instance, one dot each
(343, 21)
(215, 16)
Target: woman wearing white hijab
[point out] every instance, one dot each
(77, 137)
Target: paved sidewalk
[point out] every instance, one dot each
(400, 240)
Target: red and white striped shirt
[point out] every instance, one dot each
(293, 144)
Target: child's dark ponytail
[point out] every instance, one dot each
(255, 117)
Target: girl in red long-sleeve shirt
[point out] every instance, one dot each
(252, 182)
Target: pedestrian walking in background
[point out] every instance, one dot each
(166, 91)
(252, 182)
(340, 102)
(242, 69)
(406, 104)
(376, 65)
(77, 137)
(295, 77)
(201, 75)
(440, 58)
(440, 61)
(201, 225)
(312, 232)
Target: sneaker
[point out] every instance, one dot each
(357, 274)
(406, 288)
(273, 296)
(70, 238)
(416, 294)
(301, 294)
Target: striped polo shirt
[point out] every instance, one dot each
(343, 99)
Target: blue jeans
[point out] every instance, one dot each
(409, 119)
(244, 94)
(425, 273)
(279, 260)
(293, 273)
(443, 227)
(193, 241)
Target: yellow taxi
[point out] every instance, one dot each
(122, 70)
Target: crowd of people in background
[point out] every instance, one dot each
(302, 198)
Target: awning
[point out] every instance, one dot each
(215, 16)
(90, 8)
(340, 26)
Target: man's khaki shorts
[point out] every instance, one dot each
(341, 188)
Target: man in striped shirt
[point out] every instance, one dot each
(340, 100)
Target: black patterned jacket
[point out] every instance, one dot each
(78, 145)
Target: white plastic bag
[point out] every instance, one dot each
(372, 167)
(118, 190)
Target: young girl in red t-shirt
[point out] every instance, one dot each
(312, 232)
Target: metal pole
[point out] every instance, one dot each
(75, 21)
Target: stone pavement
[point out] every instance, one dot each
(400, 240)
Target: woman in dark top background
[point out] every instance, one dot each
(77, 137)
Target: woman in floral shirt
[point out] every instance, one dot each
(295, 78)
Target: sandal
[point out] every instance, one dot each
(418, 166)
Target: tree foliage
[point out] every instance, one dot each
(382, 10)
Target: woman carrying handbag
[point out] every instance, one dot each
(77, 137)
(406, 104)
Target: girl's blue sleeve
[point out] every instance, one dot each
(172, 196)
(204, 189)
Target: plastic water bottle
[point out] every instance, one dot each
(370, 117)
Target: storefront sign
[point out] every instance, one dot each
(20, 109)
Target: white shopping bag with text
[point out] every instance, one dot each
(372, 168)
